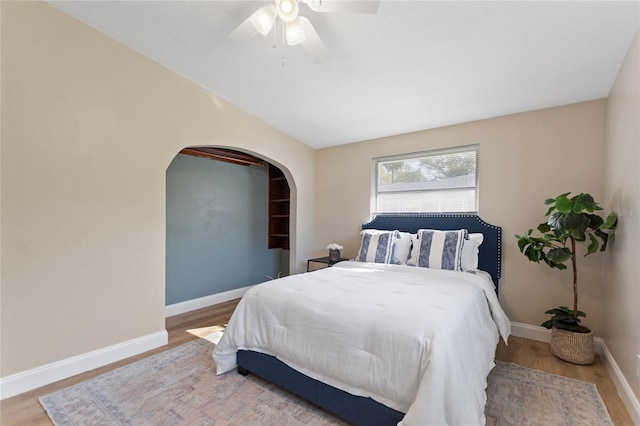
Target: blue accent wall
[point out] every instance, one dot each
(216, 228)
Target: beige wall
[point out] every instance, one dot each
(88, 130)
(524, 159)
(622, 193)
(89, 127)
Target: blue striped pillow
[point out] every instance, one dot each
(377, 246)
(439, 249)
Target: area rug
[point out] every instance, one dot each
(179, 387)
(522, 396)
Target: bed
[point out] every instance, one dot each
(379, 343)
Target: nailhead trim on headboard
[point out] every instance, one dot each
(411, 222)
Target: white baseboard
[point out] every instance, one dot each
(541, 334)
(533, 332)
(203, 302)
(624, 389)
(630, 400)
(18, 383)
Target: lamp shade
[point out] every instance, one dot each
(263, 19)
(295, 32)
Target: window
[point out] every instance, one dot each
(434, 181)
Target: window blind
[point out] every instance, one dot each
(435, 181)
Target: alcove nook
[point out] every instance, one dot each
(227, 223)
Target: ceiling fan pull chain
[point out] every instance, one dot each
(275, 35)
(284, 26)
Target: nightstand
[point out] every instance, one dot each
(324, 260)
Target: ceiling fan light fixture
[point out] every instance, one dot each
(264, 18)
(287, 10)
(295, 32)
(296, 29)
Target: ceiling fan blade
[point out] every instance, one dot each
(244, 32)
(312, 44)
(261, 21)
(344, 6)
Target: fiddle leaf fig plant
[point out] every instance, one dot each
(570, 221)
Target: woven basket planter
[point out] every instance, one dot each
(576, 348)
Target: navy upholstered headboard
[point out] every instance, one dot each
(490, 250)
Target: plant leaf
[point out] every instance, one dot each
(552, 208)
(544, 227)
(575, 225)
(595, 221)
(593, 246)
(604, 237)
(563, 204)
(548, 323)
(584, 202)
(559, 255)
(554, 221)
(611, 222)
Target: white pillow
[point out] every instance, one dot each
(438, 249)
(377, 246)
(402, 249)
(470, 252)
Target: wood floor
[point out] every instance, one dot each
(534, 354)
(25, 409)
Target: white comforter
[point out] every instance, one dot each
(421, 341)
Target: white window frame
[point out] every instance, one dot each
(415, 155)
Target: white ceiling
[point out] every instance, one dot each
(412, 66)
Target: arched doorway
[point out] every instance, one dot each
(218, 225)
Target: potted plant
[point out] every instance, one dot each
(570, 221)
(334, 252)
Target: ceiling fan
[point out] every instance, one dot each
(297, 29)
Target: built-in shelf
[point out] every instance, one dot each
(279, 205)
(221, 154)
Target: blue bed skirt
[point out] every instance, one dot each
(356, 410)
